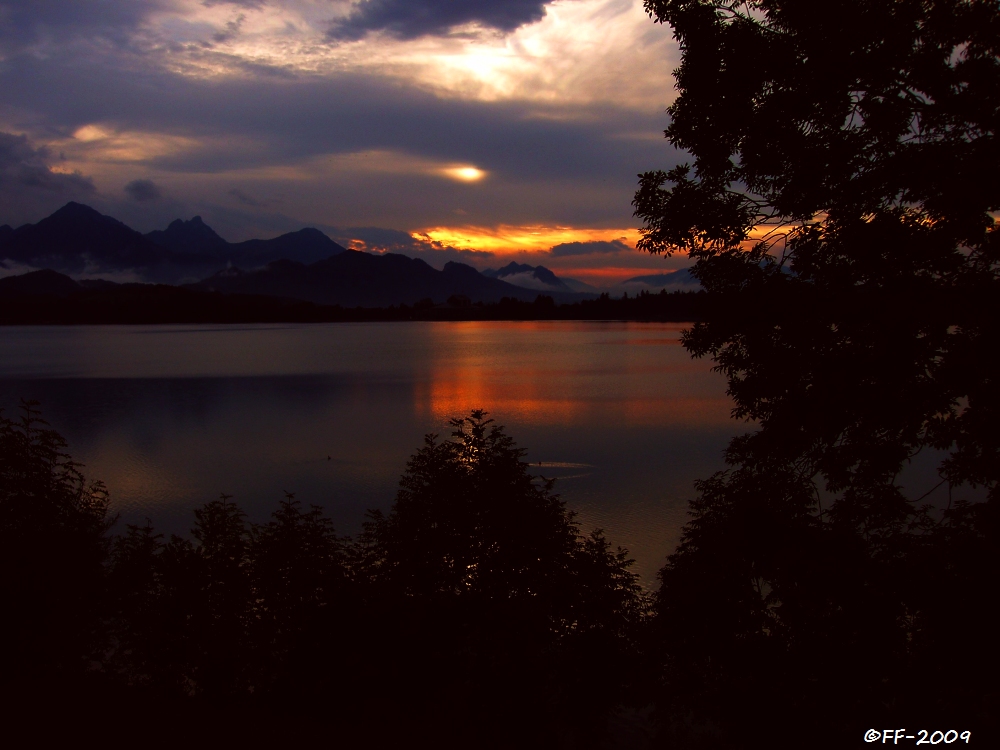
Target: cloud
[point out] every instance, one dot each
(143, 191)
(377, 239)
(231, 31)
(339, 149)
(596, 247)
(251, 4)
(24, 167)
(347, 135)
(29, 186)
(409, 19)
(24, 24)
(247, 200)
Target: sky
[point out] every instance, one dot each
(482, 131)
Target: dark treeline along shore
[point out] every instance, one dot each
(51, 298)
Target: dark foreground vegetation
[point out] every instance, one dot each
(50, 298)
(475, 614)
(841, 198)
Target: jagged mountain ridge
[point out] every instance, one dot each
(195, 238)
(538, 277)
(529, 277)
(78, 239)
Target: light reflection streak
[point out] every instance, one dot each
(527, 387)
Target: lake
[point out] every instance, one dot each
(171, 416)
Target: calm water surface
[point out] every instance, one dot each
(171, 416)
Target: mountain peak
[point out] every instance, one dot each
(528, 277)
(77, 211)
(454, 267)
(189, 237)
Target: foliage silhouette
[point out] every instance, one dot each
(840, 211)
(53, 544)
(472, 613)
(304, 596)
(506, 610)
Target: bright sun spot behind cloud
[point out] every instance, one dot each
(465, 174)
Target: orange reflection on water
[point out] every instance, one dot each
(548, 374)
(457, 392)
(454, 393)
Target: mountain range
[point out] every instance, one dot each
(538, 277)
(357, 279)
(77, 239)
(681, 280)
(304, 265)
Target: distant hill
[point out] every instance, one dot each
(581, 287)
(304, 246)
(354, 278)
(38, 283)
(672, 281)
(540, 278)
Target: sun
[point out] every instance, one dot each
(465, 174)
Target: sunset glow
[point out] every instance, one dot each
(465, 174)
(518, 239)
(527, 126)
(466, 378)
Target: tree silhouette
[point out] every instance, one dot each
(304, 603)
(52, 548)
(472, 613)
(505, 610)
(840, 210)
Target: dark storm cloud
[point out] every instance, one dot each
(409, 19)
(232, 30)
(307, 116)
(25, 168)
(596, 247)
(143, 191)
(24, 23)
(247, 200)
(29, 189)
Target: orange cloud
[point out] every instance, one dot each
(506, 239)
